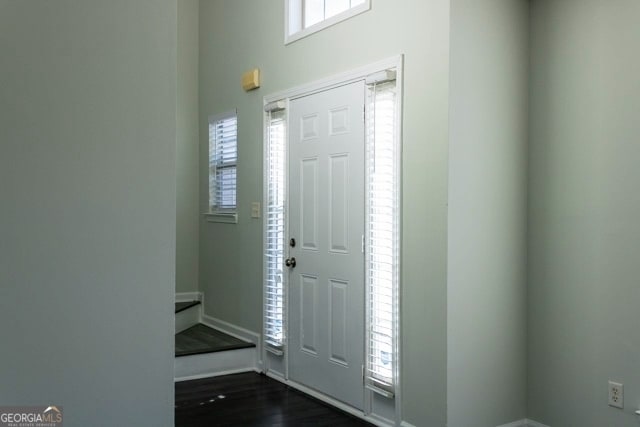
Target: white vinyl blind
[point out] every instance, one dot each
(382, 256)
(275, 231)
(223, 163)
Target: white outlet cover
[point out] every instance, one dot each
(616, 395)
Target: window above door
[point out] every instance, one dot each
(305, 17)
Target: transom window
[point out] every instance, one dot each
(305, 17)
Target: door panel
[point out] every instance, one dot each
(338, 203)
(309, 203)
(338, 317)
(308, 303)
(326, 215)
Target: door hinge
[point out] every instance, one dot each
(363, 243)
(362, 374)
(364, 113)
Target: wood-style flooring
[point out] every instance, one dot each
(252, 400)
(200, 339)
(182, 306)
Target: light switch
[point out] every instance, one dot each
(255, 210)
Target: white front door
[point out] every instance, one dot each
(327, 221)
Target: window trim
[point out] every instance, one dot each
(224, 216)
(305, 32)
(384, 386)
(272, 344)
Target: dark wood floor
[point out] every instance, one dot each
(252, 400)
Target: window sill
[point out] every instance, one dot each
(381, 391)
(223, 218)
(278, 350)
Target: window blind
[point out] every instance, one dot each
(275, 230)
(223, 162)
(382, 238)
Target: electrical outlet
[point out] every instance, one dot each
(616, 395)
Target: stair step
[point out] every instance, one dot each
(201, 339)
(182, 306)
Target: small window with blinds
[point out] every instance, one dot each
(223, 167)
(305, 17)
(275, 228)
(382, 238)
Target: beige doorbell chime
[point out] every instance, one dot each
(251, 80)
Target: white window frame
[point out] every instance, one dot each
(275, 211)
(294, 19)
(214, 214)
(275, 360)
(382, 238)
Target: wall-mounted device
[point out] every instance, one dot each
(251, 80)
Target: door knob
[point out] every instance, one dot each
(290, 262)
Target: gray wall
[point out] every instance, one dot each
(584, 209)
(486, 314)
(188, 204)
(238, 35)
(87, 212)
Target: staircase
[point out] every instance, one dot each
(204, 350)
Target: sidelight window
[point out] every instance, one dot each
(275, 226)
(382, 238)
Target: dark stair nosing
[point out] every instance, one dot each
(201, 339)
(182, 306)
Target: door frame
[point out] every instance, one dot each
(281, 372)
(328, 279)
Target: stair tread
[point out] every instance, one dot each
(182, 306)
(201, 339)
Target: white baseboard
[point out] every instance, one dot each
(189, 296)
(519, 423)
(379, 420)
(524, 423)
(326, 399)
(231, 329)
(531, 423)
(188, 318)
(214, 364)
(219, 363)
(238, 332)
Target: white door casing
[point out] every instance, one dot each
(327, 221)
